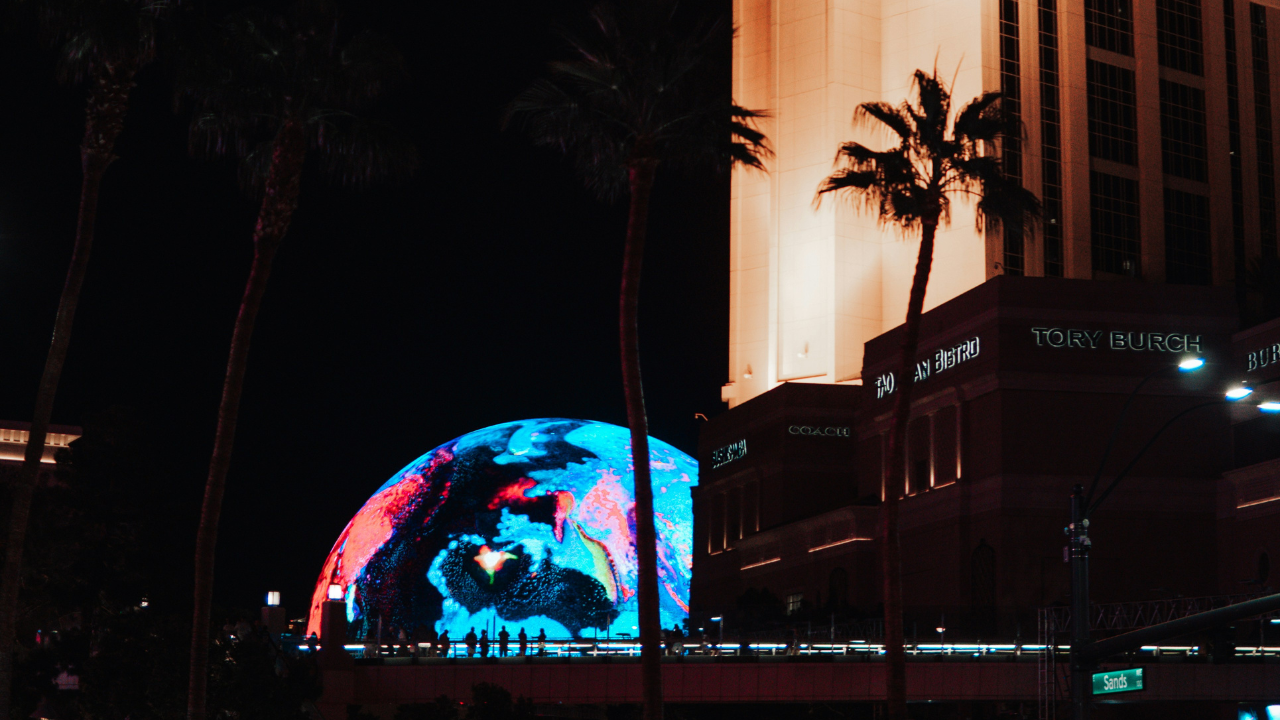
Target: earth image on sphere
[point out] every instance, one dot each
(528, 524)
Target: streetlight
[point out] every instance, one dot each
(1078, 531)
(1079, 542)
(1239, 393)
(1191, 364)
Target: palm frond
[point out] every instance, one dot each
(643, 83)
(101, 37)
(255, 71)
(358, 152)
(887, 115)
(935, 159)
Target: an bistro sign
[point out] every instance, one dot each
(1115, 340)
(943, 359)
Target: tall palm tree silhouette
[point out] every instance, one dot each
(274, 90)
(910, 186)
(642, 90)
(101, 44)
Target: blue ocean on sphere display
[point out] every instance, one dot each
(527, 524)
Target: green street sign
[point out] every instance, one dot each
(1117, 681)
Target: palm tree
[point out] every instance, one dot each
(910, 186)
(102, 44)
(274, 91)
(643, 89)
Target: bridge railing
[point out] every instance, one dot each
(1048, 655)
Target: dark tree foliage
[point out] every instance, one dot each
(442, 709)
(494, 702)
(100, 546)
(645, 83)
(258, 72)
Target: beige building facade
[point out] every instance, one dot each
(1149, 136)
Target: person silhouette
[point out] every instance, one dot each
(524, 643)
(542, 642)
(484, 643)
(471, 642)
(445, 643)
(504, 641)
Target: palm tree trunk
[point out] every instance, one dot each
(641, 176)
(278, 204)
(891, 555)
(104, 120)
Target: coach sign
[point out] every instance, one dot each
(813, 431)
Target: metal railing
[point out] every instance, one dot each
(1052, 669)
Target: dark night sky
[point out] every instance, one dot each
(482, 291)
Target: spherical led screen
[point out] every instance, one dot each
(528, 524)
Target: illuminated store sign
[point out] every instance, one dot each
(818, 431)
(727, 454)
(943, 359)
(1116, 340)
(1259, 359)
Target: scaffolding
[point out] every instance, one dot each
(1053, 665)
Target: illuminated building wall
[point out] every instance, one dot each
(808, 286)
(13, 441)
(1132, 112)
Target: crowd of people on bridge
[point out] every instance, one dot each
(424, 641)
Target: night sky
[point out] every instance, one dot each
(483, 290)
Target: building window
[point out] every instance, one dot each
(794, 603)
(838, 589)
(982, 585)
(716, 539)
(733, 517)
(1050, 139)
(945, 456)
(1233, 135)
(919, 449)
(1186, 238)
(1113, 204)
(1011, 147)
(1113, 113)
(1108, 24)
(1178, 32)
(1262, 119)
(1182, 133)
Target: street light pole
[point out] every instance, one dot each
(1081, 670)
(1082, 666)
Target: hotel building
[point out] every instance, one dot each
(1148, 135)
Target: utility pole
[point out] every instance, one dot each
(1081, 668)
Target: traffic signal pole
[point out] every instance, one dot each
(1081, 667)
